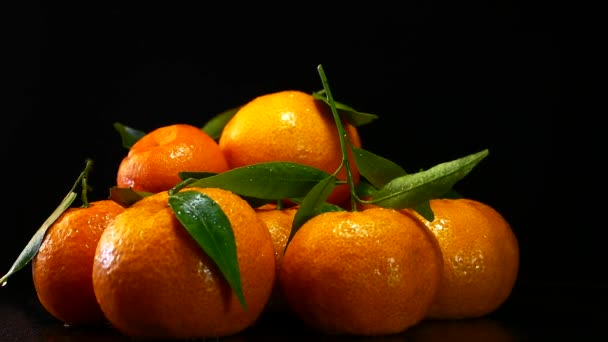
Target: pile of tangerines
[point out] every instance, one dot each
(272, 207)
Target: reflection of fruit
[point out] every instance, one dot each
(153, 280)
(288, 126)
(278, 222)
(481, 258)
(366, 272)
(62, 267)
(154, 161)
(465, 330)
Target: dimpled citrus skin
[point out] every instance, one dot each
(370, 272)
(288, 126)
(152, 280)
(481, 258)
(278, 222)
(61, 270)
(154, 161)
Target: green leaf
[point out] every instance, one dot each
(313, 202)
(255, 202)
(412, 189)
(352, 116)
(126, 196)
(322, 208)
(424, 209)
(183, 175)
(215, 125)
(183, 184)
(270, 180)
(128, 135)
(33, 245)
(191, 177)
(377, 170)
(365, 189)
(207, 223)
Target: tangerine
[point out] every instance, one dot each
(279, 223)
(62, 267)
(481, 258)
(152, 279)
(370, 272)
(290, 126)
(154, 161)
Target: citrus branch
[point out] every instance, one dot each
(342, 135)
(84, 175)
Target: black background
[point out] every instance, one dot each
(445, 80)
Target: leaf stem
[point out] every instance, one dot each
(83, 178)
(342, 134)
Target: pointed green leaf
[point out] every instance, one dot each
(365, 189)
(354, 117)
(313, 203)
(255, 202)
(207, 223)
(215, 125)
(424, 209)
(324, 207)
(126, 196)
(33, 245)
(271, 180)
(412, 189)
(195, 175)
(376, 169)
(128, 135)
(191, 177)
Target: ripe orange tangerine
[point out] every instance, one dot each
(152, 280)
(154, 162)
(279, 223)
(480, 254)
(61, 270)
(370, 272)
(289, 126)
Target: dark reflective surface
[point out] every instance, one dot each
(535, 313)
